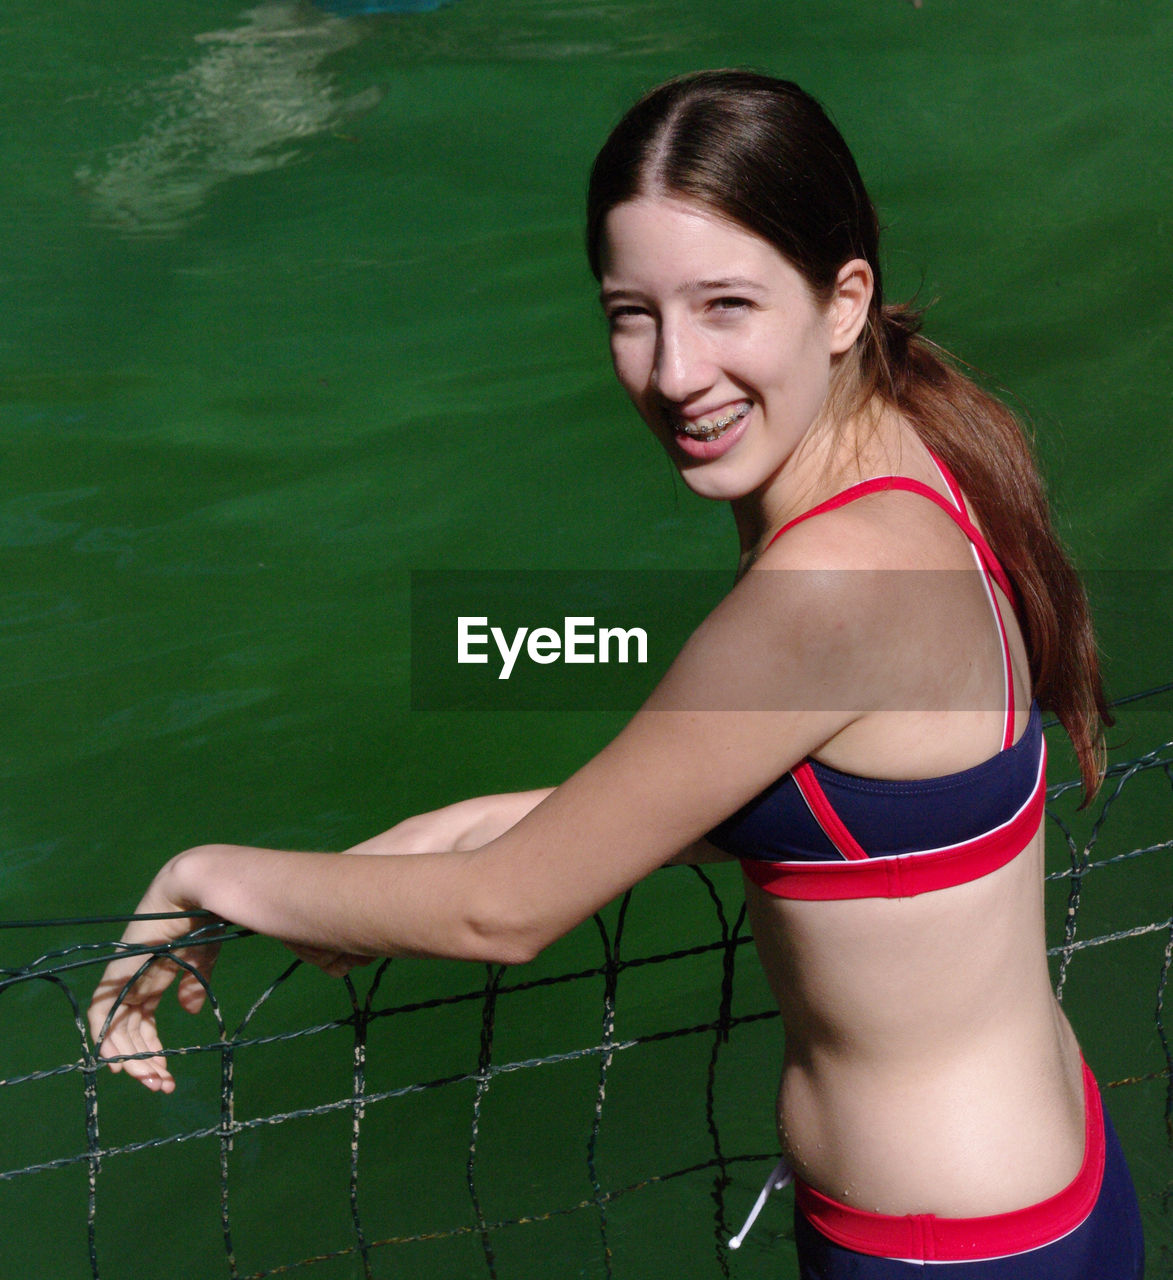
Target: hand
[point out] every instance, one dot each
(337, 964)
(122, 1010)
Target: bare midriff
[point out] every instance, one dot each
(928, 1067)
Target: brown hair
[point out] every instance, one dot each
(763, 153)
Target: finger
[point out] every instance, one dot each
(106, 1002)
(191, 993)
(105, 1016)
(317, 956)
(143, 1038)
(131, 1031)
(342, 962)
(115, 1045)
(96, 1019)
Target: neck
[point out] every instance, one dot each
(831, 457)
(808, 475)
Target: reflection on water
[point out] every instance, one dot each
(381, 6)
(255, 89)
(602, 30)
(512, 31)
(258, 88)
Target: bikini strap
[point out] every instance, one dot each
(988, 562)
(991, 569)
(958, 514)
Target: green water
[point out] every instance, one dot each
(295, 305)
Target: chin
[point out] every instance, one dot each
(716, 484)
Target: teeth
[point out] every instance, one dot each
(710, 429)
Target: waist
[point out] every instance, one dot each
(928, 1237)
(899, 981)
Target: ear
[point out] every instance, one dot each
(850, 300)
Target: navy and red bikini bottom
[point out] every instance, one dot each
(1088, 1231)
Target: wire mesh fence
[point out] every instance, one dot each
(432, 1116)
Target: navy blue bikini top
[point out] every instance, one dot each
(818, 833)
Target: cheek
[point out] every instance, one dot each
(631, 365)
(804, 372)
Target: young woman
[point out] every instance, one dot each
(858, 721)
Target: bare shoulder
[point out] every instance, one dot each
(913, 612)
(789, 635)
(884, 529)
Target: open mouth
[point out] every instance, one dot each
(712, 428)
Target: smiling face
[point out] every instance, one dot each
(718, 340)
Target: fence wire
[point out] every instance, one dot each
(733, 1000)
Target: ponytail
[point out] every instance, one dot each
(983, 444)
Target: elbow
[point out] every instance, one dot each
(494, 942)
(509, 954)
(500, 930)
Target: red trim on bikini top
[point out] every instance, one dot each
(881, 484)
(925, 1237)
(901, 876)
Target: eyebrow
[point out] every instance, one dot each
(715, 286)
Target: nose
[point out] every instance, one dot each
(683, 365)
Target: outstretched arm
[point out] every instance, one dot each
(468, 824)
(731, 715)
(130, 1003)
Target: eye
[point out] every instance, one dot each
(729, 305)
(623, 315)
